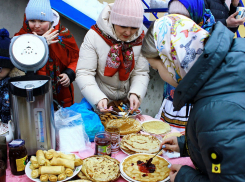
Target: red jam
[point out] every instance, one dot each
(146, 169)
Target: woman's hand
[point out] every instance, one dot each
(171, 144)
(64, 80)
(134, 102)
(174, 170)
(102, 105)
(50, 36)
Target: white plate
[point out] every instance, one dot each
(28, 170)
(125, 151)
(126, 177)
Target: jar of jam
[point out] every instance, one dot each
(17, 156)
(102, 144)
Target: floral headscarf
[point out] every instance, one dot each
(180, 41)
(196, 8)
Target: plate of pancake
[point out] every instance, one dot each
(101, 168)
(133, 168)
(140, 143)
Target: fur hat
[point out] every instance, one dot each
(176, 7)
(4, 49)
(39, 10)
(127, 13)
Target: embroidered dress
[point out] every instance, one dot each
(179, 41)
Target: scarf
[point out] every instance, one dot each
(179, 41)
(121, 55)
(57, 54)
(196, 8)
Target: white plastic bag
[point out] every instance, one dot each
(159, 3)
(70, 132)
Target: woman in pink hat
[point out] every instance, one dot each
(110, 66)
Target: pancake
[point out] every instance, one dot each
(140, 143)
(178, 134)
(101, 168)
(126, 126)
(131, 168)
(156, 127)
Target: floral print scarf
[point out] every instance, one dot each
(179, 41)
(121, 55)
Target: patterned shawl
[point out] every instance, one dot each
(180, 41)
(196, 8)
(121, 55)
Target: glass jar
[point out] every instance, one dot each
(17, 156)
(114, 132)
(102, 144)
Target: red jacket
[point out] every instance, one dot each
(63, 57)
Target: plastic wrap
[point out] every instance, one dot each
(70, 132)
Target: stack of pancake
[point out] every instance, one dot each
(127, 126)
(140, 143)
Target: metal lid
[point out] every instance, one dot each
(16, 143)
(28, 52)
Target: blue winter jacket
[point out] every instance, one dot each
(215, 132)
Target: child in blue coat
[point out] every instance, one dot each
(7, 70)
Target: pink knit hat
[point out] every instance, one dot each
(128, 13)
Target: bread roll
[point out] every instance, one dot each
(44, 177)
(55, 170)
(40, 157)
(55, 154)
(47, 162)
(48, 155)
(63, 162)
(68, 156)
(68, 172)
(35, 173)
(34, 162)
(61, 176)
(31, 167)
(78, 162)
(52, 177)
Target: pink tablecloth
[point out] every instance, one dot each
(119, 156)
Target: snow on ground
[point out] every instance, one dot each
(91, 8)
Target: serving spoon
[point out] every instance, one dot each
(150, 160)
